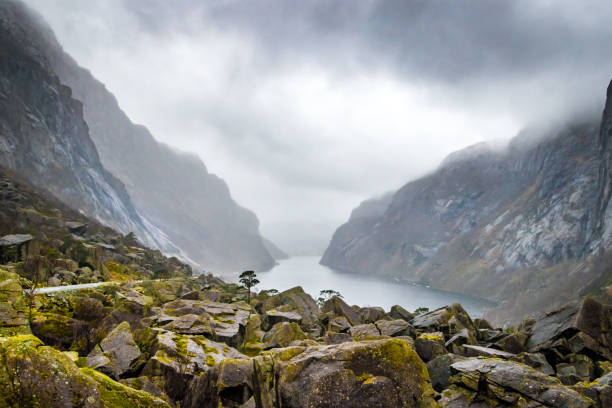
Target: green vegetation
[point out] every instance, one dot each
(327, 294)
(248, 279)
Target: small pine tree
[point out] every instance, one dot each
(327, 294)
(248, 279)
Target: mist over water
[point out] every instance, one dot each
(363, 291)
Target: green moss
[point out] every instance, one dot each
(114, 394)
(210, 360)
(432, 336)
(252, 349)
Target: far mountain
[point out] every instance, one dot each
(528, 225)
(190, 207)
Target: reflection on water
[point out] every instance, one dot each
(357, 290)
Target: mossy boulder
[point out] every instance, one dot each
(449, 320)
(41, 376)
(394, 328)
(379, 373)
(600, 391)
(13, 306)
(276, 316)
(439, 370)
(191, 324)
(398, 312)
(283, 334)
(117, 395)
(116, 353)
(371, 314)
(296, 300)
(338, 307)
(54, 329)
(339, 324)
(181, 358)
(364, 331)
(430, 345)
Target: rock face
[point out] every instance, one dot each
(54, 140)
(44, 137)
(488, 218)
(383, 373)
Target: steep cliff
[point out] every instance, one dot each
(521, 225)
(44, 137)
(173, 190)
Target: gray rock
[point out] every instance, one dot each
(398, 312)
(275, 316)
(430, 345)
(479, 351)
(508, 380)
(116, 352)
(339, 324)
(395, 328)
(371, 314)
(364, 331)
(338, 307)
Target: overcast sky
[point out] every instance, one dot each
(306, 108)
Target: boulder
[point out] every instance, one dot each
(295, 299)
(227, 322)
(116, 352)
(49, 378)
(535, 360)
(577, 368)
(364, 331)
(283, 334)
(13, 306)
(179, 359)
(430, 345)
(338, 307)
(395, 328)
(190, 324)
(456, 342)
(371, 314)
(600, 391)
(380, 373)
(235, 382)
(449, 320)
(54, 329)
(439, 370)
(512, 343)
(339, 324)
(398, 312)
(275, 316)
(589, 317)
(509, 382)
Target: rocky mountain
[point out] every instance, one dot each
(172, 191)
(44, 137)
(527, 225)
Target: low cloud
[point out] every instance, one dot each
(306, 108)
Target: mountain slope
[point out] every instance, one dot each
(517, 225)
(44, 137)
(173, 190)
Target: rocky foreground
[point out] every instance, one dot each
(195, 342)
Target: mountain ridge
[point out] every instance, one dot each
(174, 192)
(490, 223)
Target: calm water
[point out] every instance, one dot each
(356, 290)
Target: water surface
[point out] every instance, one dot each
(363, 291)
